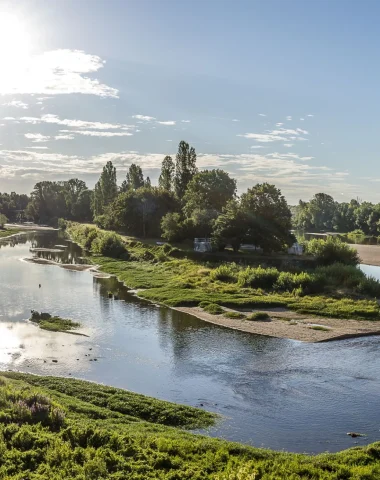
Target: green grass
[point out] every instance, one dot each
(258, 316)
(213, 308)
(162, 278)
(55, 428)
(53, 323)
(234, 315)
(7, 232)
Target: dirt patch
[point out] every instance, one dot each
(369, 254)
(287, 324)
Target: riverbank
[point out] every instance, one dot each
(158, 276)
(10, 232)
(84, 430)
(369, 254)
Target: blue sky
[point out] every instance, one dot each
(280, 91)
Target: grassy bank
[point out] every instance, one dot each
(7, 232)
(53, 323)
(334, 291)
(54, 428)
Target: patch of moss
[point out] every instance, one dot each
(52, 323)
(258, 316)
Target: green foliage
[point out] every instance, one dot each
(99, 442)
(134, 180)
(173, 228)
(105, 190)
(13, 205)
(332, 250)
(225, 273)
(52, 323)
(166, 178)
(307, 282)
(258, 277)
(62, 224)
(212, 308)
(258, 316)
(3, 220)
(108, 244)
(234, 315)
(185, 168)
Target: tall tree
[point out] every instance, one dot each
(166, 178)
(185, 168)
(134, 180)
(209, 190)
(322, 209)
(106, 189)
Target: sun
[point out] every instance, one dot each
(14, 41)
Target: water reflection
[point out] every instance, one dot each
(273, 392)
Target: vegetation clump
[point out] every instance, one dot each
(52, 323)
(234, 315)
(258, 316)
(212, 308)
(332, 250)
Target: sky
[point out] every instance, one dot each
(279, 91)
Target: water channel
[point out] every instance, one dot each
(275, 393)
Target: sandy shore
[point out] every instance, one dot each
(369, 254)
(287, 324)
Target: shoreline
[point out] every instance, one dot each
(282, 325)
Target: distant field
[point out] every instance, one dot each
(369, 254)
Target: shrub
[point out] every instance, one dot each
(257, 316)
(332, 250)
(213, 308)
(287, 281)
(258, 277)
(62, 224)
(234, 315)
(225, 273)
(108, 244)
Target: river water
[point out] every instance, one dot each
(275, 393)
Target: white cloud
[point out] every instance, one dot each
(305, 132)
(279, 124)
(288, 144)
(257, 146)
(54, 119)
(169, 140)
(302, 119)
(37, 137)
(144, 118)
(276, 135)
(262, 115)
(288, 118)
(17, 104)
(97, 133)
(310, 115)
(168, 122)
(39, 148)
(55, 72)
(188, 121)
(263, 137)
(235, 120)
(9, 118)
(64, 137)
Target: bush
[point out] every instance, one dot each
(213, 308)
(173, 228)
(287, 281)
(258, 316)
(258, 277)
(109, 245)
(234, 315)
(62, 224)
(225, 273)
(332, 250)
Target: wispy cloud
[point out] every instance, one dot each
(56, 72)
(279, 124)
(167, 122)
(262, 115)
(257, 147)
(289, 118)
(188, 121)
(276, 135)
(37, 137)
(302, 119)
(288, 145)
(17, 104)
(64, 137)
(235, 120)
(97, 133)
(54, 119)
(144, 118)
(310, 115)
(263, 137)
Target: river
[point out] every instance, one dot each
(275, 393)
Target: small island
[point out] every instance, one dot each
(46, 321)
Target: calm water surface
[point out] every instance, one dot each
(275, 393)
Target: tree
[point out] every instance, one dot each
(147, 183)
(230, 227)
(73, 190)
(166, 178)
(105, 190)
(139, 212)
(174, 228)
(322, 209)
(47, 202)
(268, 217)
(134, 180)
(209, 190)
(3, 220)
(185, 169)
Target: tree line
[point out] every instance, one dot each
(323, 213)
(186, 203)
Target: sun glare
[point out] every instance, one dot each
(14, 41)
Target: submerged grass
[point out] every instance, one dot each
(56, 428)
(7, 232)
(162, 278)
(53, 323)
